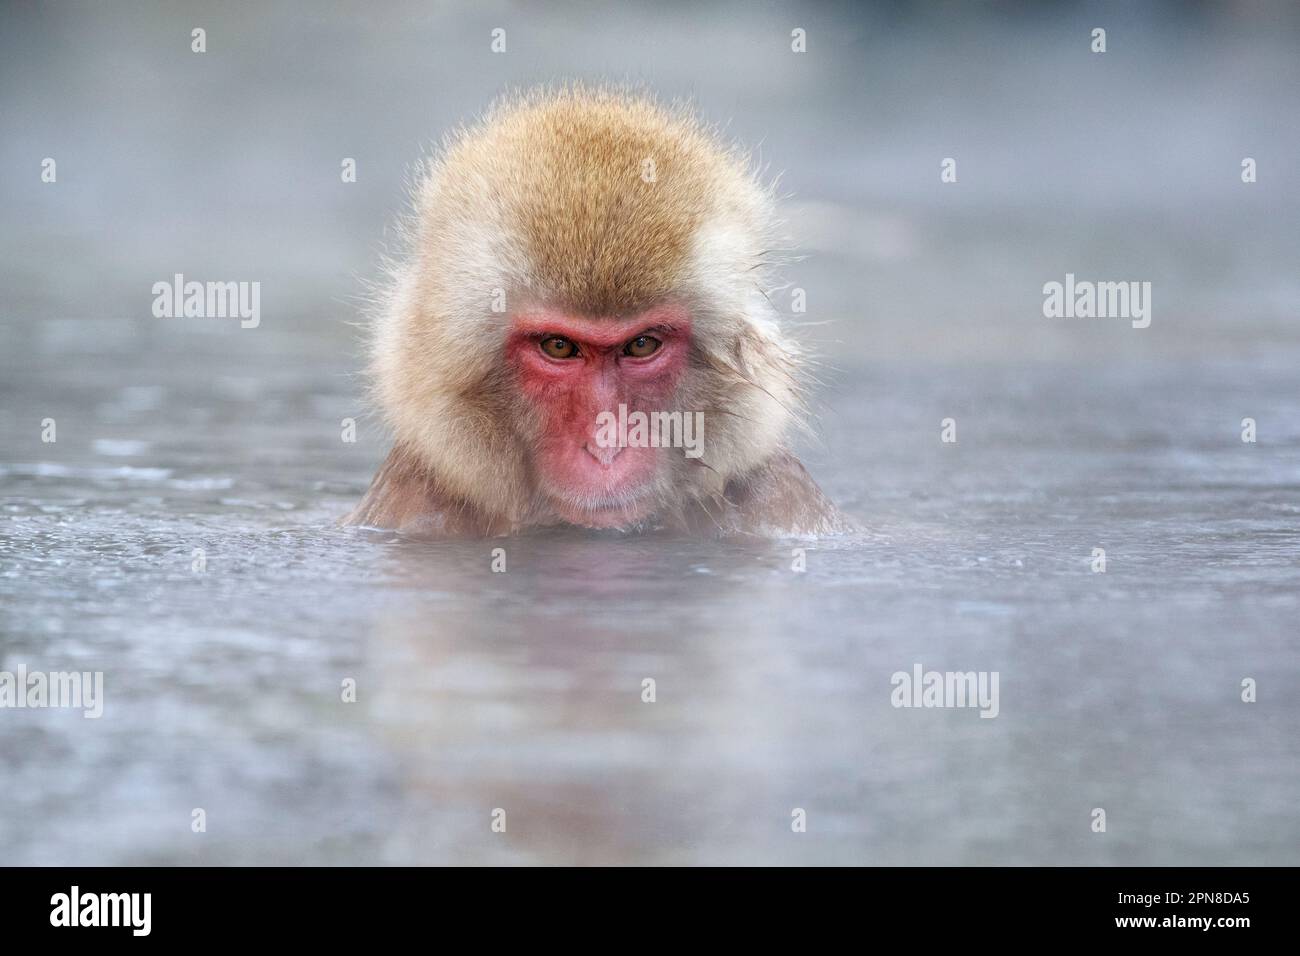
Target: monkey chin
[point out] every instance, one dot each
(624, 511)
(617, 517)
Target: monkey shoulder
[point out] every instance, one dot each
(403, 496)
(780, 497)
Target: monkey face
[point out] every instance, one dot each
(583, 378)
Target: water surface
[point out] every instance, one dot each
(522, 690)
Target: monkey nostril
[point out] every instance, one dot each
(605, 456)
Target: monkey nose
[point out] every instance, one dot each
(605, 456)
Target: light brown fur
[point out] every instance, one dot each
(544, 203)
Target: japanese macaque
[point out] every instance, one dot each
(580, 334)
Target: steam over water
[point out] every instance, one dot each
(523, 690)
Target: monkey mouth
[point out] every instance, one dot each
(595, 487)
(603, 511)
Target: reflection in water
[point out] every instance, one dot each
(528, 696)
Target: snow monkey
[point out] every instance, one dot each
(580, 334)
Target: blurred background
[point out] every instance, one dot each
(522, 690)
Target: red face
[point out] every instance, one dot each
(572, 370)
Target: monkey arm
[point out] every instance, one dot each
(780, 497)
(403, 496)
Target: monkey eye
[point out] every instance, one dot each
(559, 348)
(642, 346)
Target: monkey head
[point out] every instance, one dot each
(580, 252)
